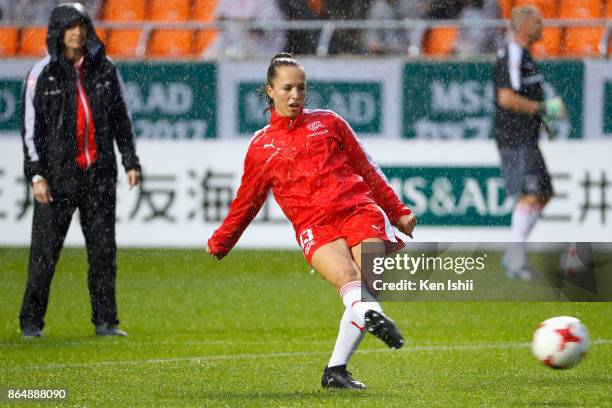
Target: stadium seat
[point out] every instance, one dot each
(170, 44)
(549, 45)
(581, 41)
(8, 41)
(123, 43)
(203, 39)
(101, 32)
(506, 8)
(169, 10)
(440, 41)
(204, 10)
(318, 6)
(580, 9)
(548, 8)
(33, 42)
(124, 10)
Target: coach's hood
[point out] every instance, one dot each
(61, 18)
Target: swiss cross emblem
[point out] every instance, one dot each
(314, 126)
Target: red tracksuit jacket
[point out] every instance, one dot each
(315, 166)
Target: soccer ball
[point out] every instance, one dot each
(560, 342)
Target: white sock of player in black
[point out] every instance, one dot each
(524, 218)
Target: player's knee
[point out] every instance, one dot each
(346, 273)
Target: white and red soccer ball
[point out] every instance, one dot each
(560, 342)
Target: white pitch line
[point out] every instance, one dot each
(250, 356)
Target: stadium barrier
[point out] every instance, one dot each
(454, 187)
(435, 100)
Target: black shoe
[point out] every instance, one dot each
(31, 332)
(106, 329)
(383, 328)
(338, 377)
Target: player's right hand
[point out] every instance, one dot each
(213, 254)
(406, 224)
(553, 109)
(42, 193)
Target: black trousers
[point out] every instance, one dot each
(96, 202)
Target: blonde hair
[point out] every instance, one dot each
(522, 13)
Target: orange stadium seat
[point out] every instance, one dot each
(548, 8)
(580, 9)
(581, 41)
(609, 15)
(123, 43)
(506, 8)
(549, 45)
(203, 39)
(170, 44)
(8, 41)
(33, 42)
(124, 10)
(169, 10)
(101, 32)
(440, 41)
(204, 10)
(318, 6)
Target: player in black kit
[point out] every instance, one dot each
(520, 111)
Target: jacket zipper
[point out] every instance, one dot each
(87, 115)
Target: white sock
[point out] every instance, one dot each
(358, 301)
(350, 335)
(524, 218)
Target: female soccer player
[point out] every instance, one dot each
(335, 197)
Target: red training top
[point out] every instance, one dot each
(315, 166)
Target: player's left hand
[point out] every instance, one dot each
(133, 178)
(406, 224)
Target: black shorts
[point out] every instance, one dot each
(524, 171)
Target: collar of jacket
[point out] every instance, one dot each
(278, 121)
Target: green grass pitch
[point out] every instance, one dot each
(257, 329)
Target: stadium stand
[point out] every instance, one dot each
(123, 43)
(33, 42)
(8, 41)
(609, 16)
(122, 10)
(440, 41)
(581, 41)
(101, 33)
(170, 44)
(203, 10)
(157, 41)
(506, 8)
(169, 10)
